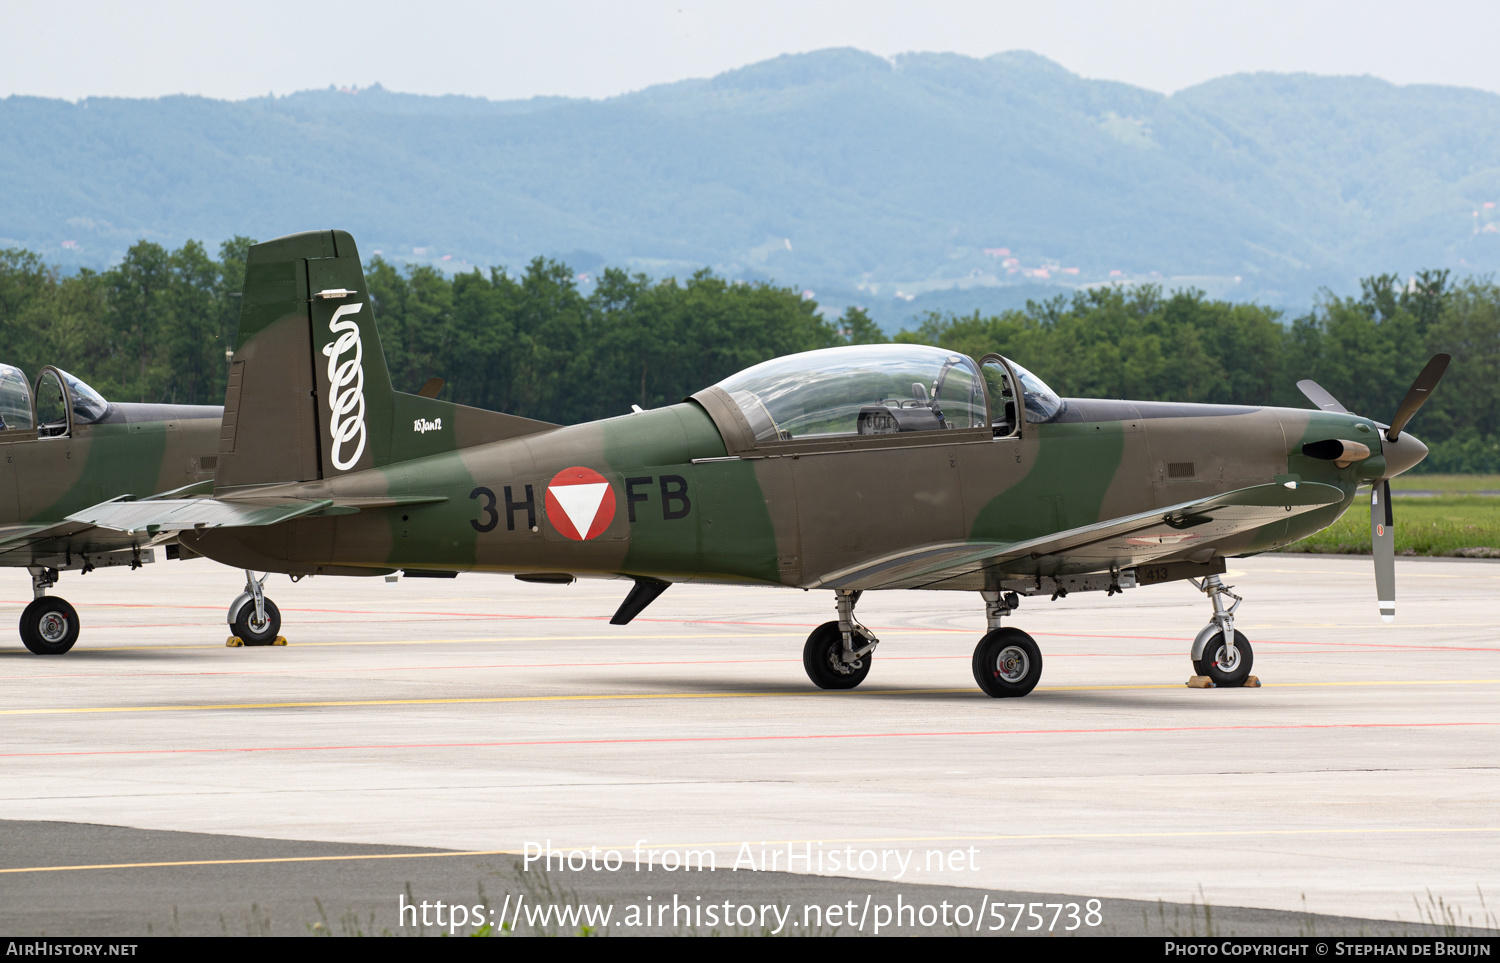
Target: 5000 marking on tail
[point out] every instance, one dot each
(346, 388)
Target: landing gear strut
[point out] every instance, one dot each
(49, 625)
(837, 654)
(1007, 661)
(254, 618)
(1220, 651)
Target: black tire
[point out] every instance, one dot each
(252, 634)
(822, 658)
(1007, 663)
(1231, 676)
(49, 626)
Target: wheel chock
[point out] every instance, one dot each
(1204, 682)
(281, 640)
(234, 642)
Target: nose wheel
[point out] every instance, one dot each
(1221, 652)
(254, 618)
(1226, 669)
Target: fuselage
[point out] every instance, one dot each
(686, 499)
(136, 450)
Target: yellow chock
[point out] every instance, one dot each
(1204, 682)
(234, 642)
(281, 640)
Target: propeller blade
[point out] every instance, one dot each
(1417, 396)
(1383, 541)
(1319, 397)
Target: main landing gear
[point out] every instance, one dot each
(1007, 661)
(254, 618)
(1221, 652)
(838, 654)
(49, 625)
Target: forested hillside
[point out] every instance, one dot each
(155, 327)
(869, 181)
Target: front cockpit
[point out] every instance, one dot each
(885, 389)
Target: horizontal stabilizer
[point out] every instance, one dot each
(178, 514)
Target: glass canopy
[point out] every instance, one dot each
(874, 389)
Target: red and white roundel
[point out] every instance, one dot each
(580, 503)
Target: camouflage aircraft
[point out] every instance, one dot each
(65, 449)
(849, 469)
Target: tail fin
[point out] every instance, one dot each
(309, 393)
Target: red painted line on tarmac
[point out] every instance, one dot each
(772, 738)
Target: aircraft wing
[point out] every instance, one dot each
(11, 535)
(162, 514)
(177, 514)
(1125, 541)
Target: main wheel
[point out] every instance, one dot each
(1007, 663)
(253, 631)
(822, 657)
(1226, 673)
(49, 626)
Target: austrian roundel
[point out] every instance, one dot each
(580, 503)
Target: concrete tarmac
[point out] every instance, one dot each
(481, 714)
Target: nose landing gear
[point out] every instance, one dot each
(49, 625)
(1221, 652)
(254, 618)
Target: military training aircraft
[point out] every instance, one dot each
(849, 469)
(65, 448)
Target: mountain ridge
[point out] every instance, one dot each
(853, 175)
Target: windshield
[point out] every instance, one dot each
(15, 399)
(1042, 403)
(88, 405)
(873, 389)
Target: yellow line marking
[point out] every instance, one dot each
(510, 638)
(636, 696)
(655, 848)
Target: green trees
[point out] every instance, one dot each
(1138, 343)
(536, 345)
(152, 328)
(156, 326)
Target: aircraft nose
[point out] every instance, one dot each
(1403, 453)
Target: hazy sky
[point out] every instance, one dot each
(596, 49)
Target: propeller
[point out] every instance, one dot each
(1400, 454)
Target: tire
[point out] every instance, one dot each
(1231, 676)
(821, 657)
(49, 626)
(252, 634)
(1007, 663)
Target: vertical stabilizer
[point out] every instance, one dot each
(309, 395)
